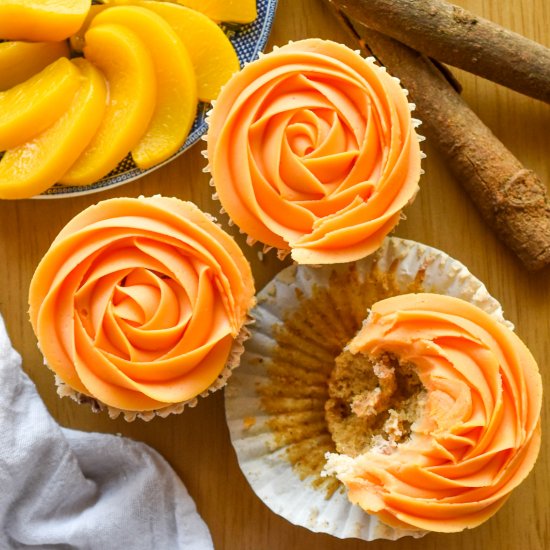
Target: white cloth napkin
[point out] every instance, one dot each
(66, 489)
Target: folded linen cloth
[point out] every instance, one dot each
(66, 489)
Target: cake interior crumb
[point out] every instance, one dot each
(373, 402)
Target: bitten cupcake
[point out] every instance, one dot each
(446, 422)
(312, 150)
(424, 418)
(140, 306)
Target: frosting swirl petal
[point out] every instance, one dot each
(138, 302)
(312, 149)
(478, 435)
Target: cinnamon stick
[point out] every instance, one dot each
(455, 36)
(511, 199)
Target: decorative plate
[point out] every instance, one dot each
(248, 41)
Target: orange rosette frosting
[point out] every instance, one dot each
(479, 433)
(312, 149)
(138, 302)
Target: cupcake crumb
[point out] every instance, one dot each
(372, 402)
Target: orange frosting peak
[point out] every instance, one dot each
(138, 301)
(479, 433)
(312, 149)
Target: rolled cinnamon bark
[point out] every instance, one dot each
(511, 199)
(455, 36)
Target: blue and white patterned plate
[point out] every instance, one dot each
(248, 41)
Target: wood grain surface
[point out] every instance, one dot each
(196, 443)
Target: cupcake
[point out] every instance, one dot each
(140, 306)
(446, 421)
(313, 151)
(307, 409)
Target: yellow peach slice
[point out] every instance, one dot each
(19, 61)
(128, 68)
(31, 168)
(47, 20)
(235, 11)
(213, 57)
(176, 84)
(30, 107)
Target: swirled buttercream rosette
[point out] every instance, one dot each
(140, 305)
(312, 150)
(298, 394)
(477, 433)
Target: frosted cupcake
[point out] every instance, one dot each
(435, 411)
(140, 306)
(305, 391)
(312, 150)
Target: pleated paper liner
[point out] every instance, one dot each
(275, 399)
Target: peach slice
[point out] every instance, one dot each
(176, 84)
(47, 20)
(213, 57)
(235, 11)
(33, 167)
(128, 68)
(212, 54)
(19, 61)
(30, 107)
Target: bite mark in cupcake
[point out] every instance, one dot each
(373, 402)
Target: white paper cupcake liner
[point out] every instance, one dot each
(263, 454)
